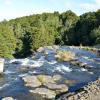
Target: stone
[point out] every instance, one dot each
(44, 93)
(41, 49)
(49, 47)
(57, 88)
(45, 79)
(56, 47)
(24, 68)
(8, 98)
(69, 82)
(31, 81)
(57, 77)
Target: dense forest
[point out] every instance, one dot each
(20, 37)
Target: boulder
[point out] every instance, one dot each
(44, 93)
(57, 77)
(31, 81)
(41, 49)
(45, 79)
(56, 47)
(57, 88)
(24, 68)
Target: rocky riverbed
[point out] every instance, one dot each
(53, 72)
(88, 92)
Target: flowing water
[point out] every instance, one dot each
(11, 83)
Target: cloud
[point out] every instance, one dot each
(82, 7)
(91, 6)
(8, 2)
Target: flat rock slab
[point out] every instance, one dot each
(57, 77)
(45, 79)
(44, 93)
(31, 81)
(57, 88)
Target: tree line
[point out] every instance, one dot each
(20, 37)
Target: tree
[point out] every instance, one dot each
(7, 39)
(95, 36)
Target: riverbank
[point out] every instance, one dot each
(88, 92)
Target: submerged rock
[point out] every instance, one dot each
(44, 93)
(31, 81)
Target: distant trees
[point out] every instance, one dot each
(21, 36)
(7, 41)
(87, 23)
(95, 36)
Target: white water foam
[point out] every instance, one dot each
(52, 62)
(8, 72)
(5, 85)
(62, 68)
(82, 69)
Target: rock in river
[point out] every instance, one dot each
(45, 79)
(58, 88)
(31, 81)
(44, 93)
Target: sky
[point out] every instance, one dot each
(10, 9)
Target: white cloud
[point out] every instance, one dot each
(97, 2)
(8, 2)
(91, 6)
(81, 7)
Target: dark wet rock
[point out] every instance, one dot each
(31, 81)
(88, 92)
(24, 68)
(44, 93)
(80, 64)
(16, 62)
(7, 98)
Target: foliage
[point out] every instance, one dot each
(21, 36)
(7, 41)
(95, 35)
